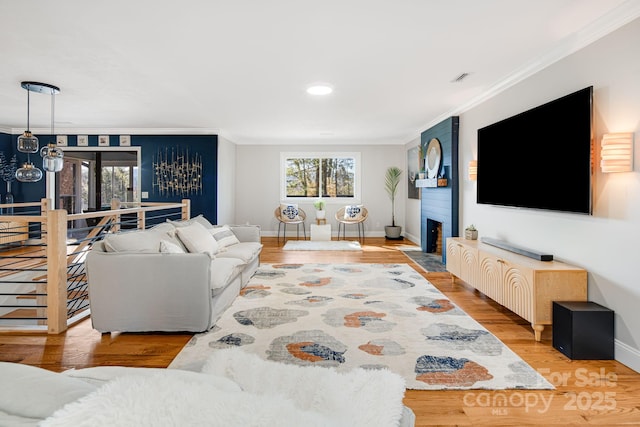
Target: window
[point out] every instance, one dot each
(326, 175)
(117, 183)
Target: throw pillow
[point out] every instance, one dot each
(289, 212)
(224, 236)
(353, 212)
(199, 219)
(168, 247)
(197, 239)
(134, 241)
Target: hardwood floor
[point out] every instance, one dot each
(587, 392)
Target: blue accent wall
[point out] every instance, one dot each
(441, 203)
(205, 146)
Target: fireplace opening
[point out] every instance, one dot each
(434, 237)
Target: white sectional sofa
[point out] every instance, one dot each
(234, 388)
(176, 276)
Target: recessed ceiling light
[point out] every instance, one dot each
(319, 89)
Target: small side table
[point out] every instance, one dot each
(321, 232)
(583, 330)
(321, 221)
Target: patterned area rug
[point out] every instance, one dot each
(328, 245)
(368, 315)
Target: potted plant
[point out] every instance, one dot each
(470, 233)
(391, 181)
(320, 212)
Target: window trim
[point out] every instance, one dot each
(357, 188)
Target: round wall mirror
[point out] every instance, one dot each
(433, 158)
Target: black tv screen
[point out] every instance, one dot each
(541, 158)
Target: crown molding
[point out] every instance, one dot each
(117, 131)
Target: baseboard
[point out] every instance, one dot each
(412, 238)
(627, 355)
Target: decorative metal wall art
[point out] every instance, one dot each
(177, 172)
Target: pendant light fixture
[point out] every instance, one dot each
(52, 156)
(28, 173)
(27, 143)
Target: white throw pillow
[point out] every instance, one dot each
(353, 212)
(134, 241)
(224, 236)
(168, 247)
(289, 212)
(199, 219)
(197, 239)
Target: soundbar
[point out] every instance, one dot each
(517, 249)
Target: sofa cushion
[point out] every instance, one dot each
(224, 236)
(47, 391)
(246, 251)
(164, 227)
(197, 239)
(147, 241)
(223, 270)
(199, 219)
(168, 247)
(98, 375)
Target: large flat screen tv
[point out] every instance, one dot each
(541, 158)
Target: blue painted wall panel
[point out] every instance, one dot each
(204, 145)
(441, 203)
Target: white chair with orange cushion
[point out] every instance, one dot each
(351, 214)
(290, 213)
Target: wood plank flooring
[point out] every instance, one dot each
(587, 392)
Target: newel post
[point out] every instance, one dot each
(186, 209)
(56, 270)
(115, 206)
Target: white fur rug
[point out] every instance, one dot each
(240, 389)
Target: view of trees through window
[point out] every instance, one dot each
(116, 183)
(320, 177)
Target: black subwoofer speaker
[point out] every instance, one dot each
(583, 330)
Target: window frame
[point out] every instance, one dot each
(357, 190)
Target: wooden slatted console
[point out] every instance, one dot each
(525, 286)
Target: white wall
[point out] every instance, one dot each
(258, 186)
(226, 182)
(605, 243)
(412, 216)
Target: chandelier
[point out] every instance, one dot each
(52, 156)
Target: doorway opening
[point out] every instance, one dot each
(93, 176)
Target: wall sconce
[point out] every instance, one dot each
(617, 152)
(473, 170)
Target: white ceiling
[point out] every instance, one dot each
(240, 68)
